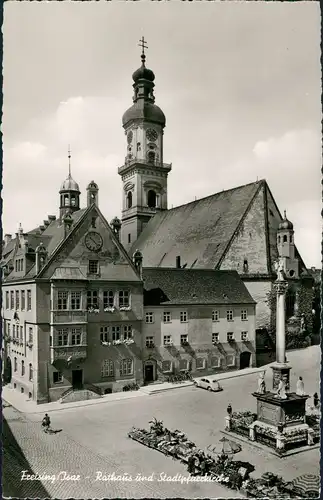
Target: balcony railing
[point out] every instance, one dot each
(69, 317)
(68, 353)
(129, 162)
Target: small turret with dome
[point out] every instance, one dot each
(286, 247)
(69, 193)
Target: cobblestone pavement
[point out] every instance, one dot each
(94, 438)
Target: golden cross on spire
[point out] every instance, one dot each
(69, 161)
(143, 44)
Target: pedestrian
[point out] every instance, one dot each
(315, 400)
(191, 465)
(46, 422)
(229, 410)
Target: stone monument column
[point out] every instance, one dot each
(280, 369)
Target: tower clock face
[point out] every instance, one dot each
(151, 135)
(93, 241)
(129, 137)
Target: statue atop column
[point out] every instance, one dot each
(279, 268)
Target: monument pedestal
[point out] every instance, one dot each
(281, 371)
(279, 419)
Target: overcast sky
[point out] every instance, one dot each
(239, 83)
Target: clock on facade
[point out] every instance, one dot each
(129, 137)
(93, 241)
(151, 135)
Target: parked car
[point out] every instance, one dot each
(209, 384)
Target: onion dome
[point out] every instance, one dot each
(285, 224)
(70, 185)
(143, 73)
(144, 111)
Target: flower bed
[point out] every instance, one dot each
(222, 470)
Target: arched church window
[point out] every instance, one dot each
(138, 146)
(278, 239)
(245, 266)
(285, 238)
(151, 156)
(129, 199)
(151, 199)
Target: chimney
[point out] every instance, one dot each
(51, 218)
(178, 262)
(7, 238)
(137, 260)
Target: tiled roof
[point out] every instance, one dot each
(199, 231)
(194, 286)
(51, 237)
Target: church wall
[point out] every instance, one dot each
(274, 219)
(250, 242)
(258, 291)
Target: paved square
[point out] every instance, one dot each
(94, 438)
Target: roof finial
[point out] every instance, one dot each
(143, 44)
(69, 160)
(285, 214)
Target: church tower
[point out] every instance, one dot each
(286, 248)
(144, 175)
(69, 193)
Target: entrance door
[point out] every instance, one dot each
(77, 379)
(245, 360)
(149, 373)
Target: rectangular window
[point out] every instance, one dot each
(22, 368)
(215, 338)
(30, 335)
(230, 315)
(200, 363)
(17, 299)
(93, 266)
(28, 300)
(129, 238)
(166, 366)
(13, 331)
(149, 317)
(15, 365)
(168, 340)
(31, 372)
(104, 333)
(108, 299)
(62, 337)
(92, 299)
(215, 316)
(230, 360)
(167, 317)
(16, 265)
(7, 300)
(107, 368)
(62, 300)
(244, 315)
(183, 364)
(127, 332)
(126, 367)
(184, 339)
(76, 336)
(12, 300)
(150, 342)
(215, 362)
(230, 336)
(124, 298)
(57, 377)
(8, 329)
(183, 316)
(21, 333)
(23, 300)
(115, 332)
(76, 300)
(244, 336)
(93, 222)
